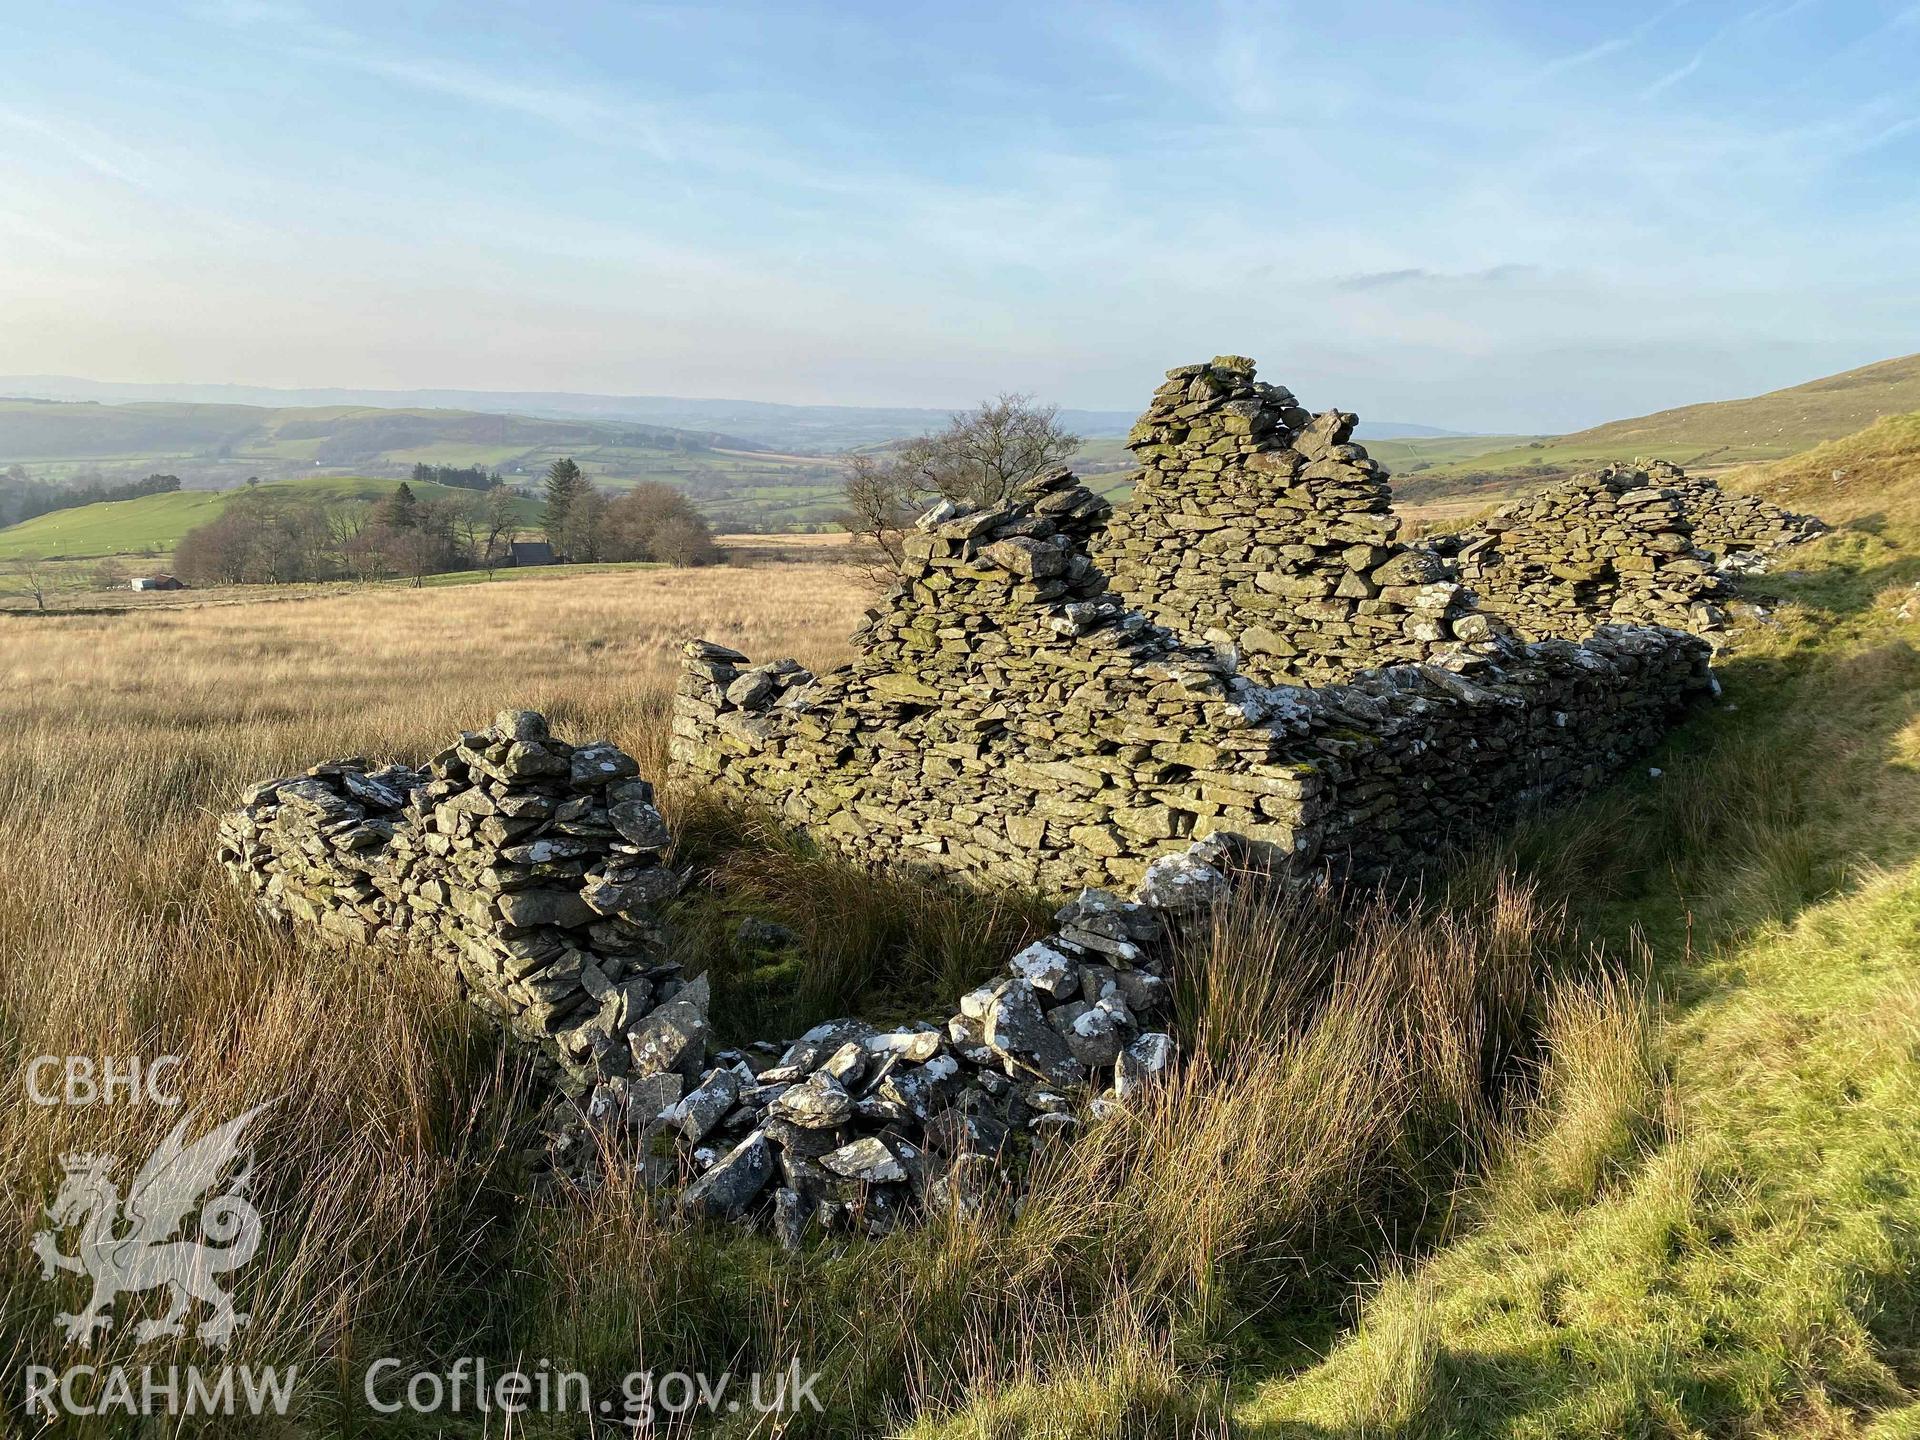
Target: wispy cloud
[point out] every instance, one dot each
(1610, 45)
(1346, 195)
(1506, 274)
(102, 154)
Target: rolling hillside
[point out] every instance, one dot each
(1871, 476)
(815, 429)
(1709, 437)
(216, 446)
(153, 524)
(74, 430)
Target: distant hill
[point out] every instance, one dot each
(810, 429)
(1718, 435)
(155, 523)
(50, 435)
(736, 484)
(1778, 423)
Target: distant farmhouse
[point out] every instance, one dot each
(156, 582)
(529, 552)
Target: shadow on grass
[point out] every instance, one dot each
(889, 946)
(1746, 823)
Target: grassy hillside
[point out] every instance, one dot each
(1715, 1228)
(736, 484)
(1724, 433)
(48, 432)
(1872, 477)
(153, 524)
(1709, 1221)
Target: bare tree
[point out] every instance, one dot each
(580, 536)
(345, 520)
(684, 540)
(500, 506)
(882, 500)
(981, 458)
(368, 555)
(987, 453)
(31, 575)
(469, 527)
(656, 522)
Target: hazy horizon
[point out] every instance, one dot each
(1491, 219)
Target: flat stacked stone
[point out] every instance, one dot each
(532, 870)
(1613, 547)
(1738, 532)
(1032, 732)
(1006, 717)
(1267, 534)
(529, 868)
(1413, 758)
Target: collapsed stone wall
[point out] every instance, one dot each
(528, 868)
(1736, 532)
(1643, 543)
(1010, 721)
(851, 1127)
(1005, 718)
(533, 872)
(1269, 535)
(1612, 547)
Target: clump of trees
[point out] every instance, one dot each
(649, 522)
(22, 497)
(265, 537)
(980, 458)
(273, 537)
(460, 477)
(656, 522)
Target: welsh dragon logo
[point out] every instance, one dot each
(134, 1247)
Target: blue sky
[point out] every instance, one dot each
(1516, 216)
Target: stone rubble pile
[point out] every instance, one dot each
(1270, 536)
(852, 1128)
(531, 869)
(1613, 547)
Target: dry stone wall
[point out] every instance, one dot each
(1266, 534)
(1414, 756)
(1737, 532)
(1273, 680)
(856, 1128)
(1270, 536)
(529, 868)
(1006, 719)
(1613, 546)
(1011, 721)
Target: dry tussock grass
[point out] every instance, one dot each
(123, 736)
